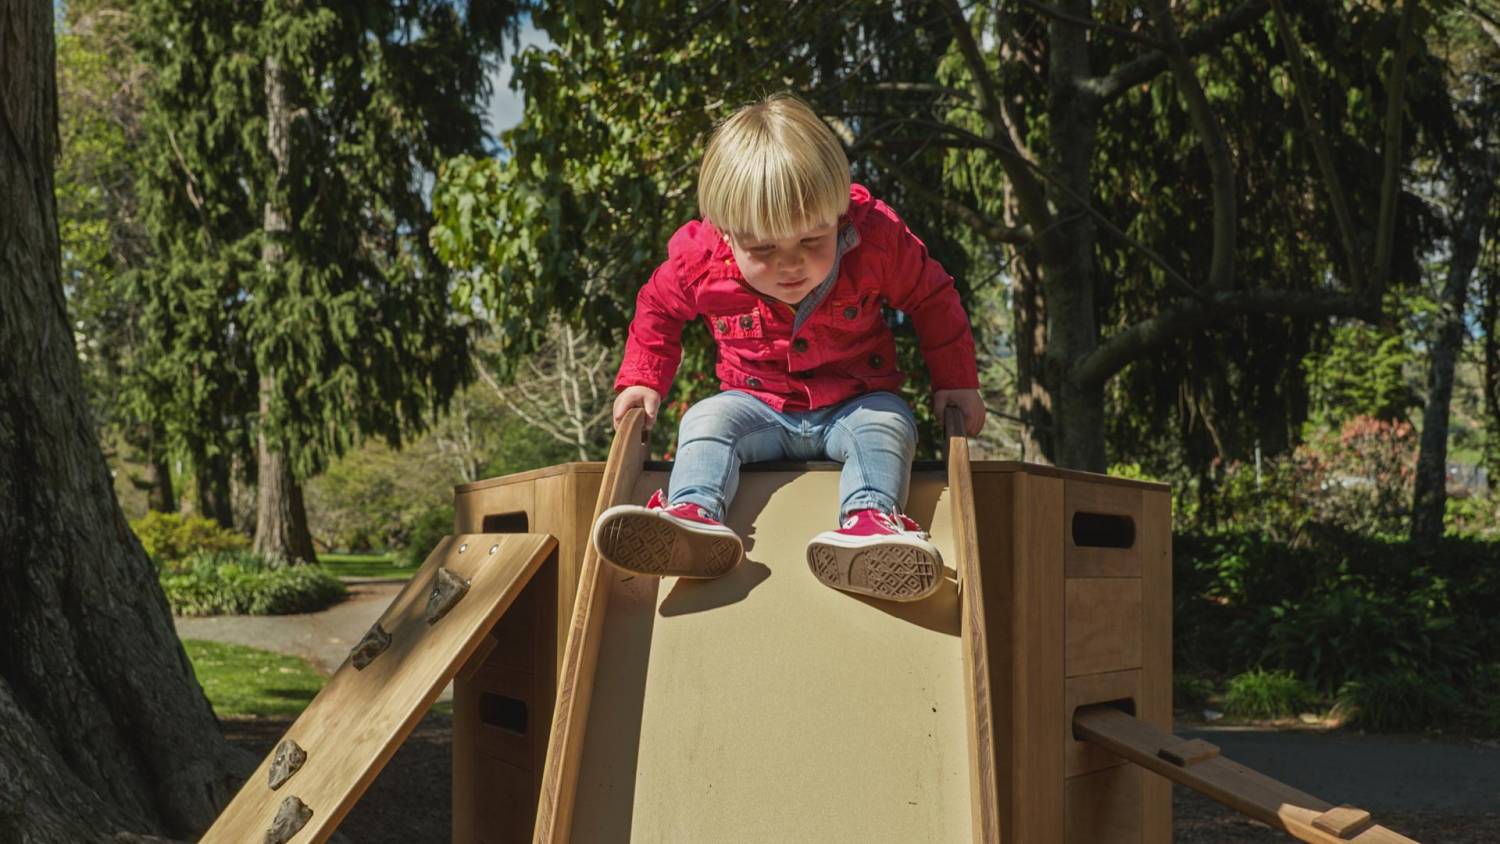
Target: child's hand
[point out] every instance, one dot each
(643, 397)
(968, 401)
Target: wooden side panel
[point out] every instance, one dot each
(1036, 804)
(1083, 554)
(557, 513)
(994, 492)
(1155, 704)
(471, 508)
(1105, 806)
(1103, 625)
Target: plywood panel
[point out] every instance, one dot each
(1155, 706)
(765, 706)
(1081, 757)
(1091, 498)
(470, 509)
(354, 725)
(1105, 806)
(995, 529)
(1103, 625)
(1037, 712)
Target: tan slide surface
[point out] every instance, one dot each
(354, 725)
(764, 706)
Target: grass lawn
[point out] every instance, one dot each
(241, 681)
(366, 565)
(246, 682)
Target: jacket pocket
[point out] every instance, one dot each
(739, 325)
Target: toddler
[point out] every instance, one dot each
(790, 266)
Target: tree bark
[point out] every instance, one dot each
(102, 725)
(1430, 498)
(280, 516)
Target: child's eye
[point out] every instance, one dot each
(811, 241)
(762, 250)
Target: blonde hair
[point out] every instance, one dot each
(771, 170)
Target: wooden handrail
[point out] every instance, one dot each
(575, 686)
(984, 800)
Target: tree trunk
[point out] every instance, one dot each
(1431, 495)
(102, 725)
(1067, 251)
(212, 478)
(280, 517)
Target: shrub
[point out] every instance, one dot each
(428, 529)
(1398, 700)
(168, 537)
(1266, 694)
(245, 583)
(1190, 690)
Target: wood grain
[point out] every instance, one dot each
(1104, 807)
(354, 725)
(1246, 791)
(974, 636)
(627, 456)
(1090, 497)
(1154, 535)
(1103, 631)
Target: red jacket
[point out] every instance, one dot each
(844, 349)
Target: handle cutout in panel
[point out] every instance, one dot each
(507, 713)
(505, 523)
(1125, 705)
(1099, 530)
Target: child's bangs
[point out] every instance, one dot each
(781, 199)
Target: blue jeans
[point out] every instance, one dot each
(873, 435)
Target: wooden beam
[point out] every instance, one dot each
(1269, 801)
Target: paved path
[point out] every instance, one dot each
(1377, 773)
(1374, 772)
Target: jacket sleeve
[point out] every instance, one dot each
(919, 286)
(654, 347)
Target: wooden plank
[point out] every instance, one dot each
(1089, 560)
(1036, 652)
(974, 636)
(1246, 791)
(1103, 631)
(1154, 535)
(997, 542)
(1104, 807)
(1189, 752)
(471, 508)
(580, 653)
(558, 504)
(354, 725)
(1344, 821)
(1083, 757)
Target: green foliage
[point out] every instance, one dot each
(1266, 694)
(1190, 690)
(243, 682)
(1477, 517)
(170, 537)
(1406, 699)
(245, 583)
(384, 566)
(429, 529)
(1363, 371)
(1335, 608)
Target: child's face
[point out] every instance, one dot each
(786, 269)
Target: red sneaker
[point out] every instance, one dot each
(677, 541)
(885, 555)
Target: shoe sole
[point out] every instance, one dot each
(648, 544)
(893, 571)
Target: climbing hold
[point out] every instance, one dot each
(372, 645)
(287, 760)
(446, 590)
(290, 818)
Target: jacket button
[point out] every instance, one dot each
(851, 312)
(799, 344)
(747, 321)
(876, 361)
(722, 326)
(753, 383)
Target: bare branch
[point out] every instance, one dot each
(1202, 39)
(921, 88)
(1029, 193)
(1221, 265)
(1186, 317)
(1098, 26)
(1348, 236)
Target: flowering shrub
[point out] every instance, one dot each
(1359, 479)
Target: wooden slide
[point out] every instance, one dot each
(352, 728)
(764, 705)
